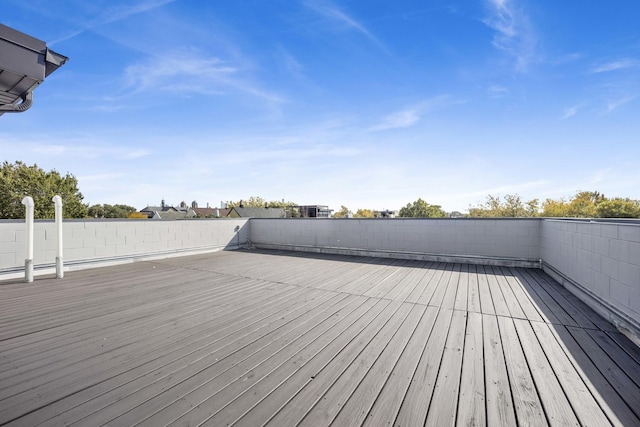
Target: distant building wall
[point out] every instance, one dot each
(599, 262)
(113, 240)
(500, 241)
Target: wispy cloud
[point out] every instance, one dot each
(337, 15)
(412, 115)
(399, 119)
(173, 69)
(190, 72)
(514, 33)
(113, 14)
(571, 111)
(614, 105)
(288, 63)
(497, 91)
(615, 65)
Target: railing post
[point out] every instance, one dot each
(28, 241)
(57, 200)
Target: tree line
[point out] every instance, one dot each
(584, 204)
(18, 180)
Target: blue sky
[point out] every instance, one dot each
(368, 104)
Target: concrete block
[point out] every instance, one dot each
(81, 233)
(72, 225)
(629, 232)
(114, 240)
(584, 257)
(68, 244)
(159, 246)
(44, 257)
(619, 293)
(629, 274)
(142, 247)
(126, 230)
(496, 231)
(634, 300)
(7, 236)
(601, 245)
(39, 235)
(106, 251)
(174, 244)
(145, 230)
(123, 250)
(609, 230)
(595, 262)
(9, 260)
(585, 228)
(619, 249)
(94, 224)
(634, 253)
(106, 232)
(94, 242)
(587, 242)
(47, 244)
(610, 267)
(78, 254)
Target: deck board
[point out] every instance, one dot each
(499, 403)
(276, 338)
(471, 399)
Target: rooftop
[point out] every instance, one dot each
(256, 337)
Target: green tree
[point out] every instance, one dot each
(363, 213)
(421, 209)
(585, 204)
(555, 208)
(110, 211)
(19, 180)
(259, 202)
(511, 207)
(618, 208)
(342, 213)
(96, 211)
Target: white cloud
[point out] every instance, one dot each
(614, 105)
(335, 14)
(514, 33)
(189, 72)
(164, 73)
(113, 14)
(497, 91)
(571, 111)
(615, 65)
(412, 115)
(399, 119)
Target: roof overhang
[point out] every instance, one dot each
(24, 63)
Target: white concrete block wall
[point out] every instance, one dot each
(492, 238)
(603, 259)
(109, 239)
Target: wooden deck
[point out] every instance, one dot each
(256, 338)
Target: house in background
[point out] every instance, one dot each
(243, 212)
(165, 211)
(385, 214)
(207, 212)
(314, 211)
(211, 212)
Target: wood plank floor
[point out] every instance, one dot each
(254, 338)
